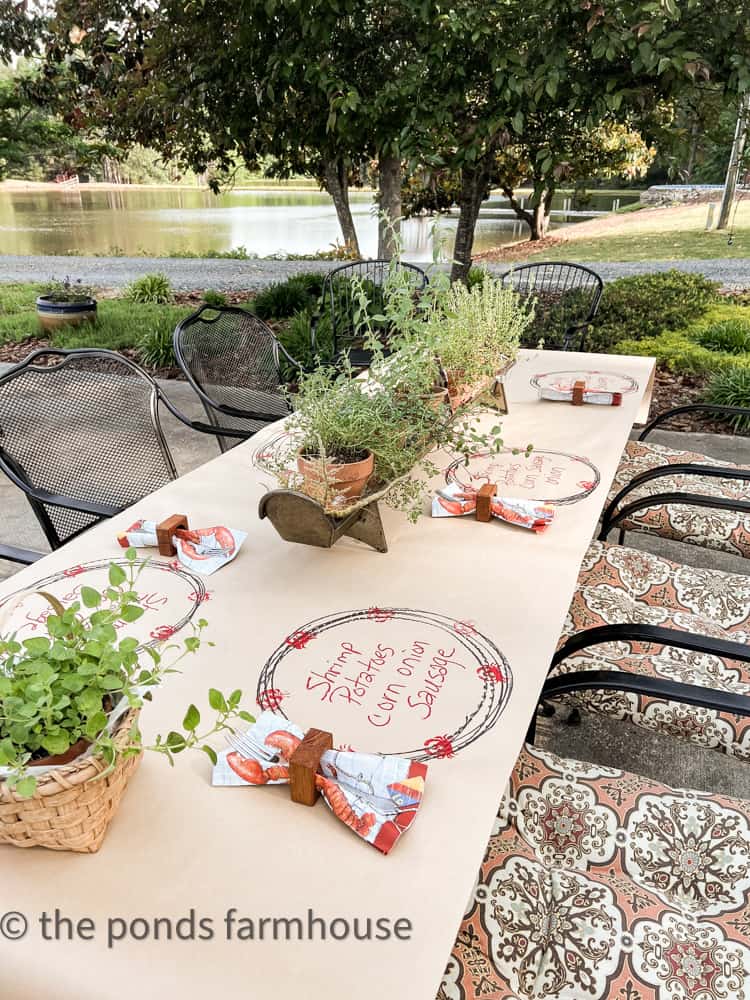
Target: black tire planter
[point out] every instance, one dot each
(52, 315)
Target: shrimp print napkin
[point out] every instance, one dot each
(456, 500)
(203, 550)
(589, 396)
(377, 797)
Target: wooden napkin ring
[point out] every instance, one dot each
(578, 390)
(484, 501)
(164, 531)
(304, 764)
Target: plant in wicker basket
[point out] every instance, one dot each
(69, 705)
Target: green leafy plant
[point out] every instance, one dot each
(677, 352)
(731, 335)
(214, 298)
(156, 346)
(68, 290)
(731, 387)
(155, 288)
(285, 298)
(296, 336)
(74, 683)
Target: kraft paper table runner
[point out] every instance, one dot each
(348, 640)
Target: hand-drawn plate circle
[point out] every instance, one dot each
(320, 688)
(277, 451)
(169, 594)
(596, 381)
(532, 478)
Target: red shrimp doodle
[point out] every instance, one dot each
(73, 571)
(586, 484)
(271, 698)
(191, 539)
(491, 672)
(299, 639)
(439, 746)
(195, 595)
(162, 632)
(465, 628)
(380, 615)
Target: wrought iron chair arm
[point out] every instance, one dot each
(198, 425)
(660, 418)
(12, 553)
(612, 517)
(657, 634)
(58, 500)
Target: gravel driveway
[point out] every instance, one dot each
(248, 275)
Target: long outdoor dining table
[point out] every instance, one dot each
(436, 650)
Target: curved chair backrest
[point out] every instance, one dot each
(232, 360)
(566, 297)
(340, 299)
(82, 425)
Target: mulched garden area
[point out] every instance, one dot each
(671, 389)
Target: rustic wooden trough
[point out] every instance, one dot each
(299, 518)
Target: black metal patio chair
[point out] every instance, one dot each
(80, 436)
(233, 361)
(339, 303)
(566, 297)
(681, 495)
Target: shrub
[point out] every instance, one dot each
(731, 335)
(285, 298)
(296, 336)
(731, 388)
(155, 345)
(476, 276)
(215, 299)
(677, 352)
(155, 288)
(648, 304)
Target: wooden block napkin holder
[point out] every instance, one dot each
(165, 530)
(484, 501)
(579, 388)
(304, 764)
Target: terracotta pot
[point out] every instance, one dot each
(63, 758)
(460, 391)
(346, 479)
(436, 399)
(52, 315)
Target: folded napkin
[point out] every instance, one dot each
(589, 396)
(377, 797)
(456, 500)
(203, 550)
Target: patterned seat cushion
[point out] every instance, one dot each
(601, 884)
(619, 584)
(714, 529)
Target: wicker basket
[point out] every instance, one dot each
(71, 807)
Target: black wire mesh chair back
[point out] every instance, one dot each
(232, 360)
(566, 298)
(341, 292)
(81, 424)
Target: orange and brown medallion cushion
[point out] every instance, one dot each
(619, 584)
(727, 531)
(601, 884)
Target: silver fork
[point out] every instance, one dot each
(247, 747)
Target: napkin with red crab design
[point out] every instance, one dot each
(456, 500)
(377, 797)
(203, 550)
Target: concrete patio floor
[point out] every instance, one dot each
(595, 739)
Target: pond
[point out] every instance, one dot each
(161, 222)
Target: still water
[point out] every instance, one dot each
(162, 222)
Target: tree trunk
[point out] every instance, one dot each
(537, 219)
(389, 200)
(693, 151)
(336, 183)
(475, 179)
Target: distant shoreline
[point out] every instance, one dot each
(23, 185)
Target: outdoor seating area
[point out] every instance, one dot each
(399, 563)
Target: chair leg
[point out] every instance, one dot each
(621, 537)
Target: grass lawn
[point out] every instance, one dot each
(676, 233)
(120, 323)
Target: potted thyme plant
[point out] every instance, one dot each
(69, 705)
(66, 303)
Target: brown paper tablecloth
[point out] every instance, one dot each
(439, 646)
